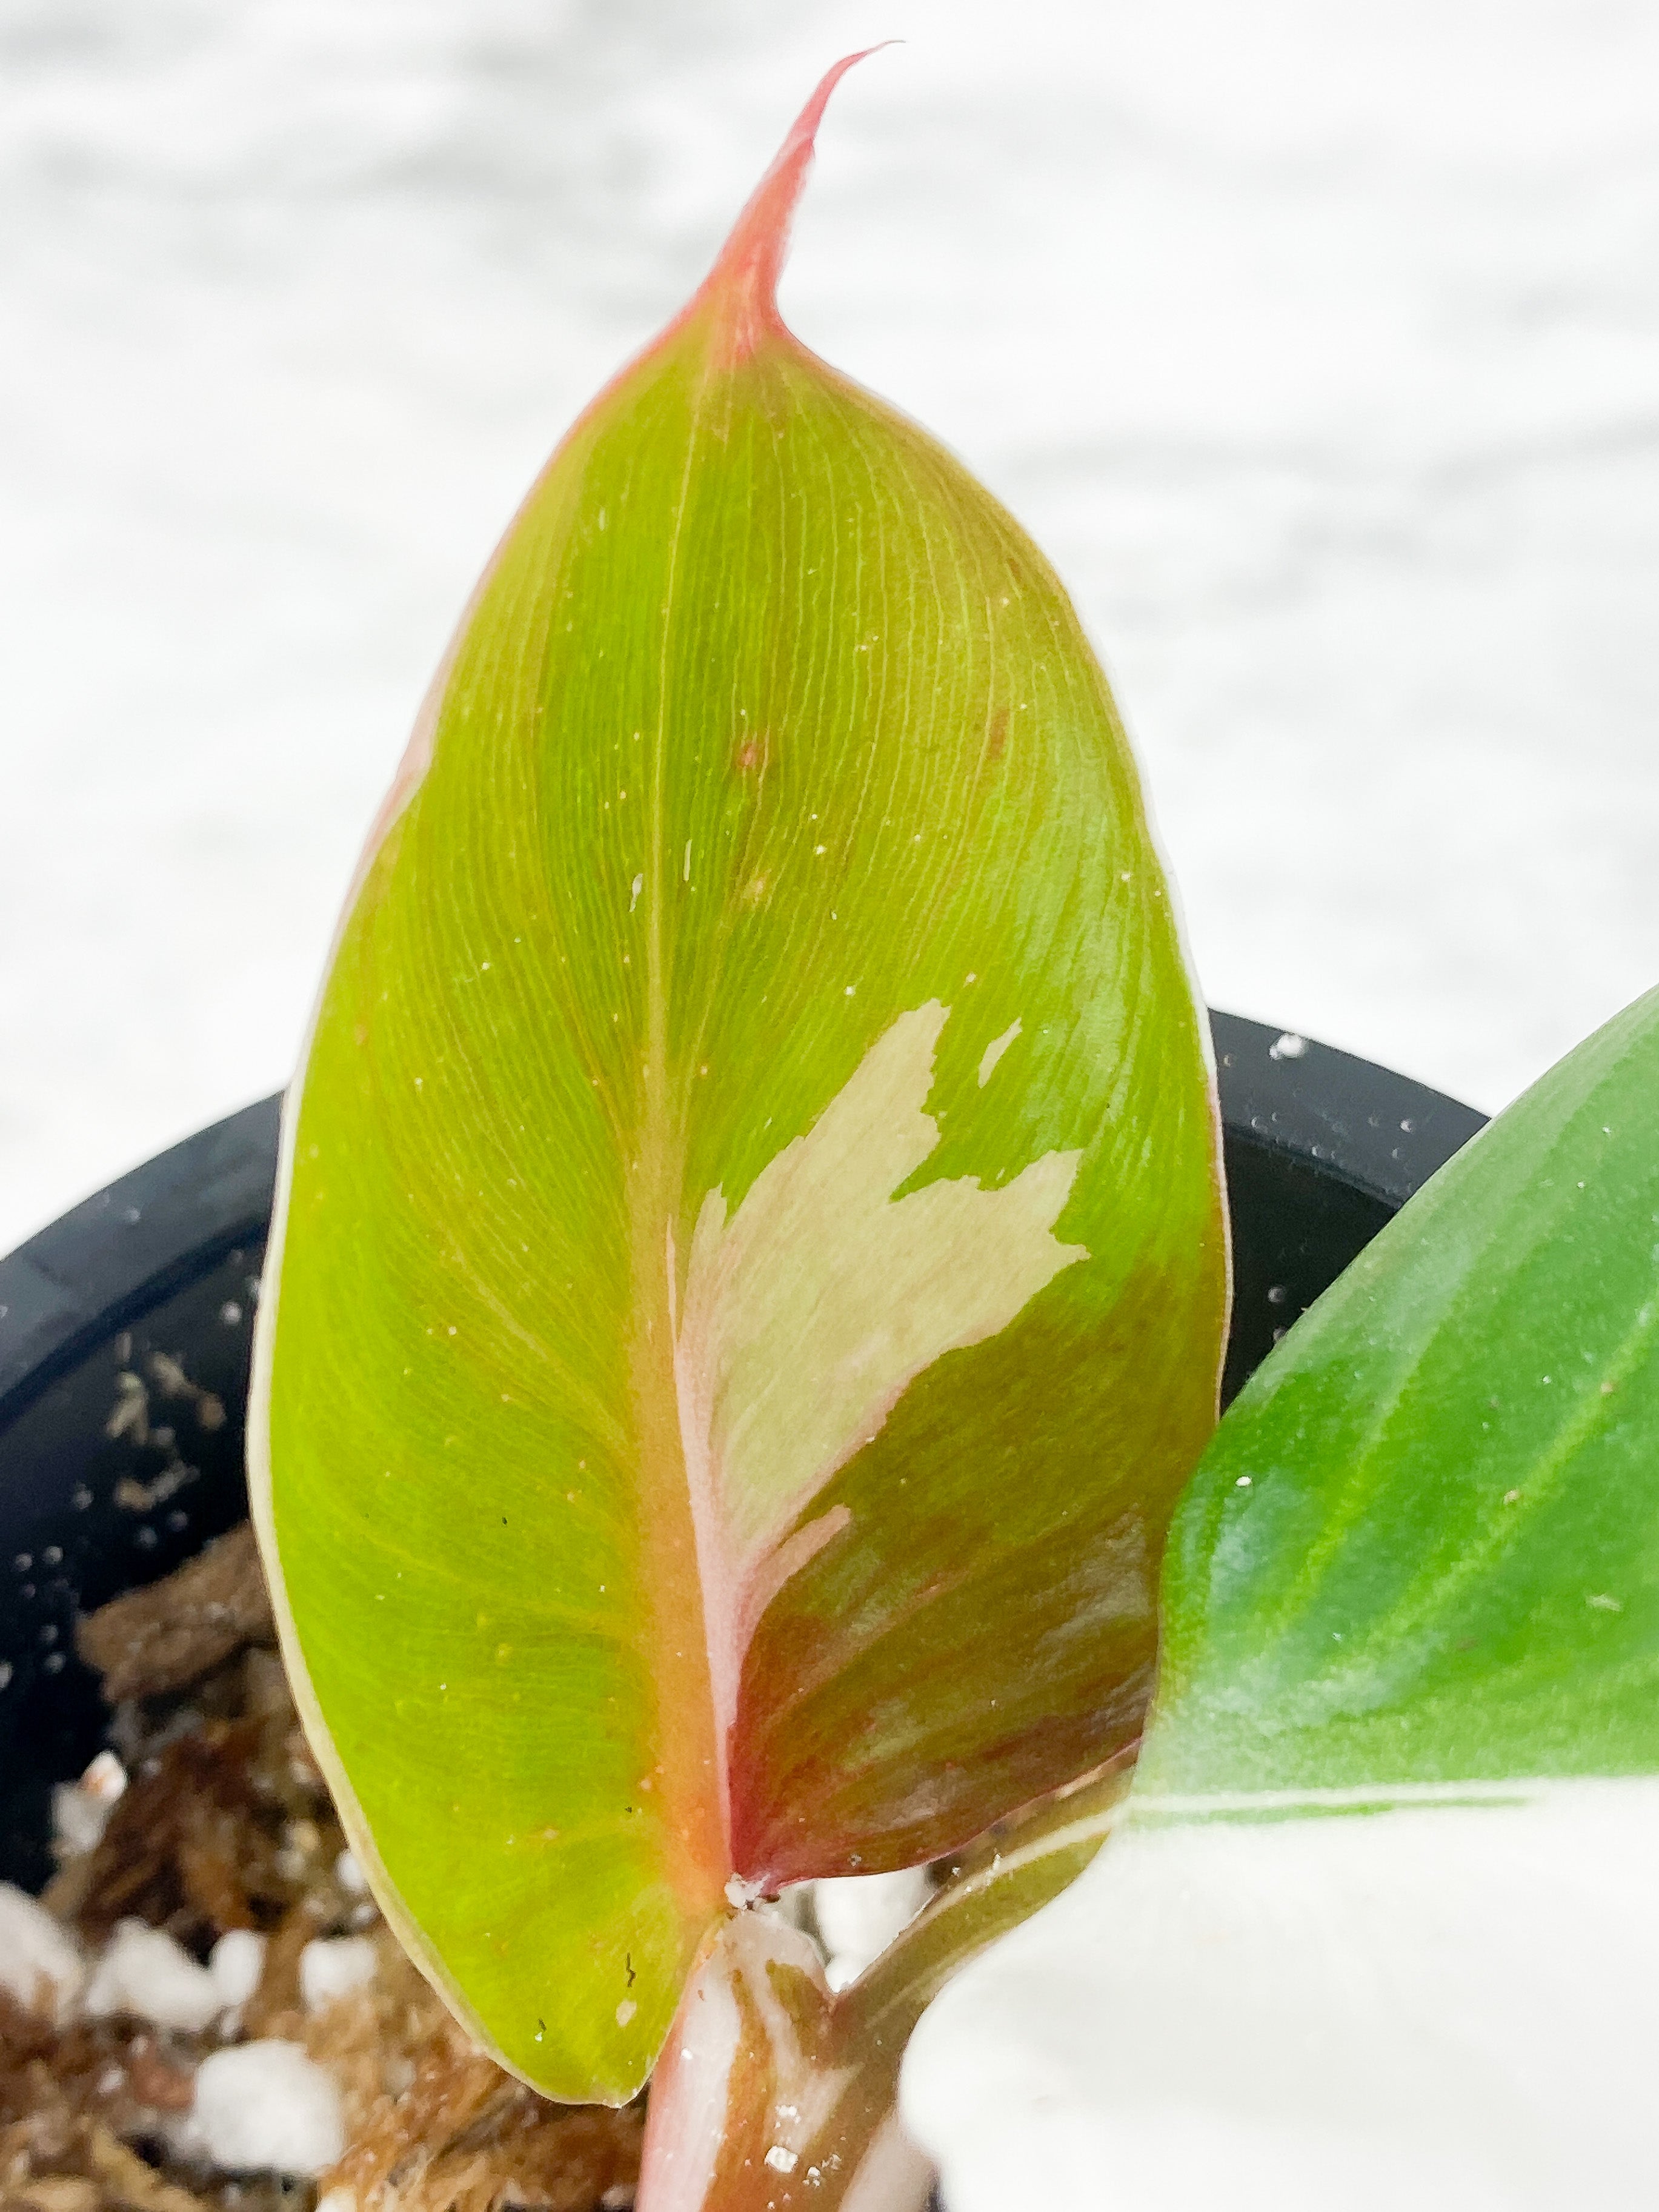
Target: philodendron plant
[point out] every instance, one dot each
(748, 1290)
(749, 1273)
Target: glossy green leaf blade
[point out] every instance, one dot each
(1424, 1546)
(750, 1229)
(1380, 1927)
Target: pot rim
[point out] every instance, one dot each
(168, 1221)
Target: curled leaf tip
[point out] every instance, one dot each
(743, 281)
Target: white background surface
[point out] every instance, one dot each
(1319, 345)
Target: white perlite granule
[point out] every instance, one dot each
(235, 1963)
(859, 1915)
(350, 1876)
(81, 1810)
(266, 2106)
(143, 1971)
(331, 1968)
(38, 1960)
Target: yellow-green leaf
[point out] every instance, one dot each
(749, 1278)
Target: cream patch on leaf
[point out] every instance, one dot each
(993, 1052)
(808, 1313)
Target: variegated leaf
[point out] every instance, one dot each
(749, 1278)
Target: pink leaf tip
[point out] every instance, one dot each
(743, 281)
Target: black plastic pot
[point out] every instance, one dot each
(126, 1333)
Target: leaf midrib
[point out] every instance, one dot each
(693, 1793)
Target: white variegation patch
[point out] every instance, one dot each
(993, 1052)
(1451, 2005)
(807, 1314)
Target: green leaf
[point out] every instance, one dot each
(1380, 1926)
(749, 1275)
(1423, 1548)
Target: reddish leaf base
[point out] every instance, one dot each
(769, 2096)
